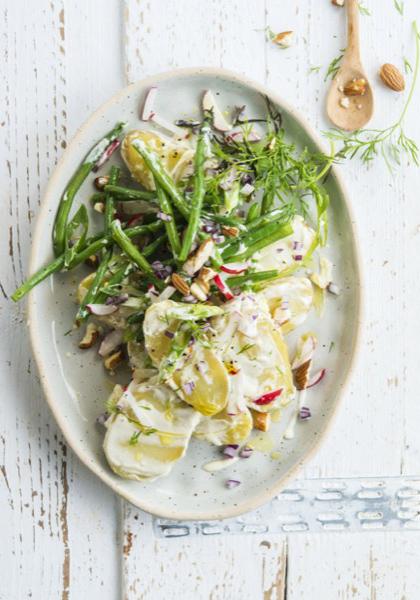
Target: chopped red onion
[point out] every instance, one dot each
(147, 112)
(246, 452)
(297, 245)
(231, 450)
(169, 334)
(162, 271)
(247, 189)
(111, 341)
(210, 226)
(109, 150)
(218, 239)
(305, 413)
(298, 257)
(188, 387)
(190, 299)
(164, 217)
(239, 136)
(116, 300)
(232, 483)
(101, 310)
(316, 378)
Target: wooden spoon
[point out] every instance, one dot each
(346, 108)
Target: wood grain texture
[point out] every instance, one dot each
(64, 535)
(54, 515)
(374, 432)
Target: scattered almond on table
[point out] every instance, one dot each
(392, 77)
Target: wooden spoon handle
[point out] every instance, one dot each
(353, 45)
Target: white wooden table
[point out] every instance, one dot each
(63, 534)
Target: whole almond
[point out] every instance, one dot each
(301, 375)
(230, 231)
(392, 77)
(180, 284)
(261, 421)
(337, 2)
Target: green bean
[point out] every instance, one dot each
(170, 225)
(257, 276)
(94, 246)
(232, 246)
(54, 266)
(277, 215)
(253, 212)
(109, 201)
(92, 292)
(133, 253)
(125, 193)
(250, 248)
(115, 279)
(161, 176)
(199, 191)
(64, 207)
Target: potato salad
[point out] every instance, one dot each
(209, 254)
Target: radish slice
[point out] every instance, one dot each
(106, 155)
(219, 121)
(234, 268)
(226, 291)
(269, 397)
(110, 342)
(148, 105)
(102, 310)
(316, 378)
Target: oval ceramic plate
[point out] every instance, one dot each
(74, 381)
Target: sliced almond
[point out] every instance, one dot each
(355, 87)
(112, 361)
(283, 39)
(392, 77)
(201, 256)
(229, 231)
(261, 420)
(180, 284)
(198, 292)
(90, 338)
(301, 375)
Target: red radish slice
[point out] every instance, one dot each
(234, 268)
(269, 397)
(102, 310)
(110, 342)
(148, 105)
(106, 155)
(316, 378)
(226, 291)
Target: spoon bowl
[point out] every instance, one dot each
(347, 108)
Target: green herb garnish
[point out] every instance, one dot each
(399, 6)
(245, 348)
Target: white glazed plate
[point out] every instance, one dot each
(75, 382)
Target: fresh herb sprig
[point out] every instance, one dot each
(363, 10)
(392, 142)
(399, 6)
(334, 66)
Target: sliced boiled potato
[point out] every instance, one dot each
(225, 429)
(200, 377)
(150, 432)
(254, 353)
(202, 381)
(175, 157)
(289, 301)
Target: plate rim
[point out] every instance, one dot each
(267, 493)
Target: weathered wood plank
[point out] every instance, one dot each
(58, 522)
